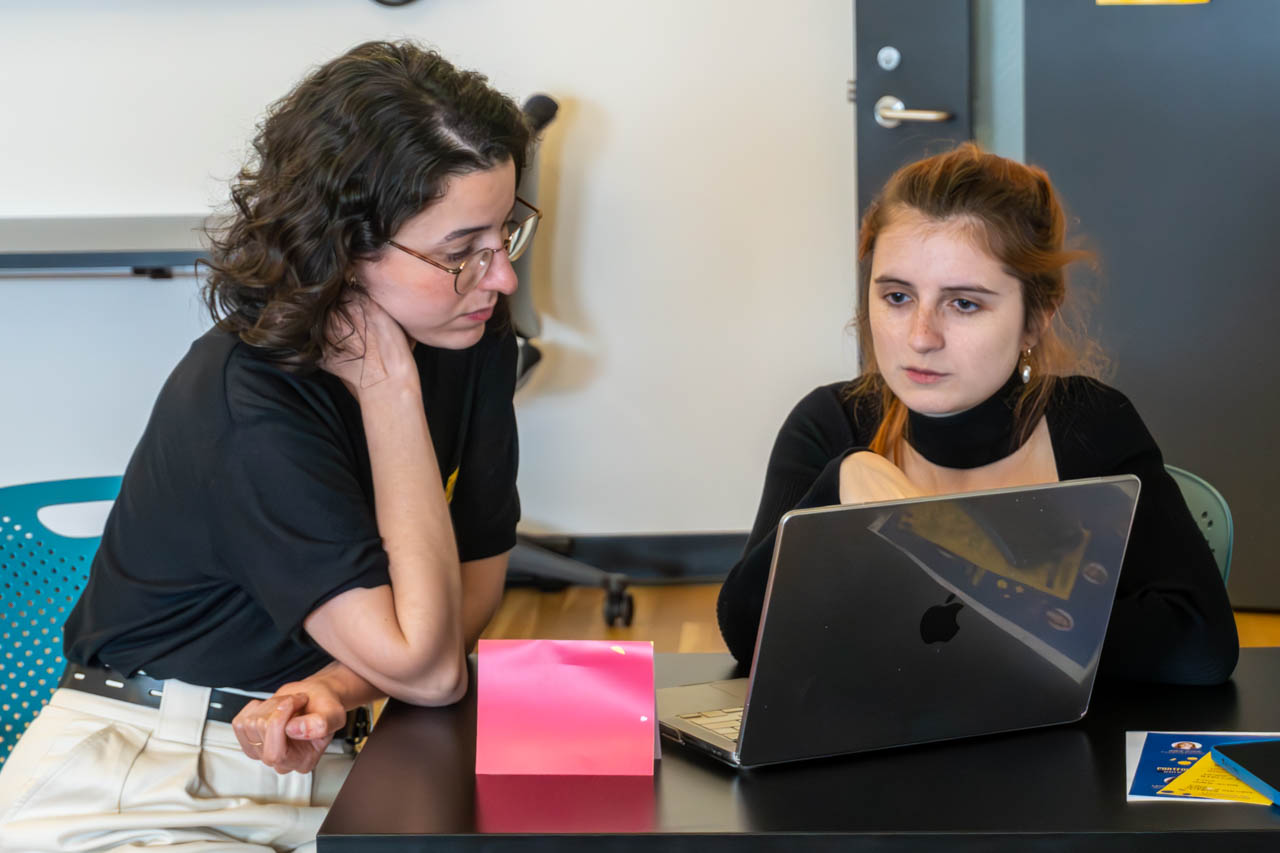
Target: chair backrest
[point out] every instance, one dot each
(1211, 512)
(41, 575)
(539, 111)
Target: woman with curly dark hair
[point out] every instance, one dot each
(320, 509)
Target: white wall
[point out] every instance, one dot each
(695, 272)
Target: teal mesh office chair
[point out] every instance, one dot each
(1211, 512)
(41, 576)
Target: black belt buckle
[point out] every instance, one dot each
(357, 727)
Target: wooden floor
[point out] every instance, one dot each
(682, 618)
(679, 618)
(1258, 629)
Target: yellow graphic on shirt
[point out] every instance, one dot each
(448, 486)
(955, 530)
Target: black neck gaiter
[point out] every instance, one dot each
(968, 439)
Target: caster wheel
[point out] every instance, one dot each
(619, 608)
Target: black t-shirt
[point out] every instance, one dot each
(249, 502)
(1171, 621)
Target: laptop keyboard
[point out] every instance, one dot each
(724, 722)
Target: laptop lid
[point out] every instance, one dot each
(913, 621)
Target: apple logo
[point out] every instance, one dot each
(938, 625)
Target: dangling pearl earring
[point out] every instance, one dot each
(1026, 367)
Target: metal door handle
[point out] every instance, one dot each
(891, 112)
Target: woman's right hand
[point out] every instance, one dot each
(289, 731)
(866, 477)
(368, 349)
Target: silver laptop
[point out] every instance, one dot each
(920, 620)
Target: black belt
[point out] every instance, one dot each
(142, 689)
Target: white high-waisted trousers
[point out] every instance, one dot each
(98, 774)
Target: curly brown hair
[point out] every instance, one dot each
(362, 144)
(1015, 211)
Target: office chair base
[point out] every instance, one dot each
(546, 565)
(619, 606)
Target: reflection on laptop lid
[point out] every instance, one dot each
(920, 620)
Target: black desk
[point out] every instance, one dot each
(414, 788)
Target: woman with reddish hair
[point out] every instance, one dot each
(975, 377)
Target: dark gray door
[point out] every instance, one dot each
(1160, 126)
(915, 52)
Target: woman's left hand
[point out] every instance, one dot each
(290, 730)
(866, 477)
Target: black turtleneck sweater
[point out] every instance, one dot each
(1171, 621)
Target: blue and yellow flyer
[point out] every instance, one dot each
(1157, 760)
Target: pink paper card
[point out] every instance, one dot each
(565, 708)
(565, 805)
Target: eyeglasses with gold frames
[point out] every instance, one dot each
(470, 272)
